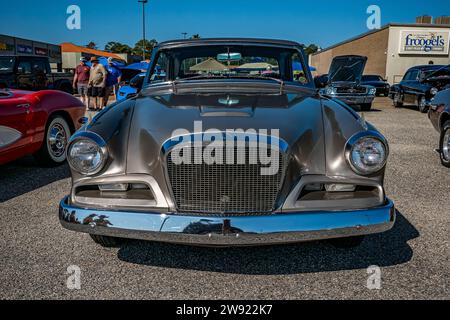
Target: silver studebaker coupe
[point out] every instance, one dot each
(229, 143)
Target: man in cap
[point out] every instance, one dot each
(112, 80)
(81, 79)
(97, 82)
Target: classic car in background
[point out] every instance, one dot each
(383, 88)
(38, 123)
(129, 90)
(343, 82)
(33, 73)
(222, 158)
(419, 85)
(439, 115)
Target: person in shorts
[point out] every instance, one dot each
(81, 80)
(112, 80)
(97, 82)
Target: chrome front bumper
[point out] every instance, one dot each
(228, 231)
(355, 99)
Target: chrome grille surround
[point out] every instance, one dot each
(225, 189)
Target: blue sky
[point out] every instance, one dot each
(321, 22)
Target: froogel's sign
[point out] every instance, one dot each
(424, 42)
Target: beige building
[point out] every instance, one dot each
(392, 50)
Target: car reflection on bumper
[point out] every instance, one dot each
(228, 231)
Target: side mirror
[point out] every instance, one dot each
(321, 82)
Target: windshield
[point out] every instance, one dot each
(227, 62)
(6, 64)
(372, 78)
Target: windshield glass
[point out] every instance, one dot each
(6, 64)
(371, 78)
(224, 62)
(442, 72)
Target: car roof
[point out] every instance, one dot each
(219, 41)
(428, 66)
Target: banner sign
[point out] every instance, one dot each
(21, 48)
(426, 42)
(40, 51)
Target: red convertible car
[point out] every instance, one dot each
(38, 123)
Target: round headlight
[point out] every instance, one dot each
(86, 156)
(434, 91)
(373, 91)
(367, 154)
(330, 91)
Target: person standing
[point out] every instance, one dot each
(112, 81)
(81, 80)
(97, 83)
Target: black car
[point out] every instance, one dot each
(378, 82)
(343, 82)
(419, 85)
(32, 73)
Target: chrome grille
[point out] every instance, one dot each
(357, 90)
(225, 189)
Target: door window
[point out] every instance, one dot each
(24, 67)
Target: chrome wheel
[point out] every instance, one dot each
(397, 100)
(57, 140)
(446, 145)
(422, 104)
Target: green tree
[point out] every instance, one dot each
(149, 45)
(91, 45)
(195, 36)
(118, 47)
(312, 48)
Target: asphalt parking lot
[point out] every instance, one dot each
(414, 257)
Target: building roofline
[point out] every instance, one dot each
(386, 26)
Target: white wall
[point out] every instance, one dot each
(397, 65)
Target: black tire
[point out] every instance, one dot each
(66, 87)
(346, 243)
(422, 104)
(366, 107)
(397, 99)
(444, 151)
(53, 150)
(107, 242)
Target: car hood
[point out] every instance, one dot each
(347, 69)
(156, 120)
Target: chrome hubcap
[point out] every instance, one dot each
(422, 103)
(57, 140)
(446, 145)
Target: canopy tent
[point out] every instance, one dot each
(257, 66)
(209, 65)
(138, 66)
(104, 61)
(297, 66)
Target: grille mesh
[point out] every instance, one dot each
(224, 188)
(356, 90)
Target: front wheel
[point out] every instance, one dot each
(423, 104)
(366, 107)
(53, 149)
(107, 242)
(398, 100)
(445, 145)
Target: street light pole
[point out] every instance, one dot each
(144, 2)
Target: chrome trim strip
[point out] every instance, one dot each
(160, 202)
(232, 231)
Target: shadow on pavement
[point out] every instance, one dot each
(387, 249)
(25, 175)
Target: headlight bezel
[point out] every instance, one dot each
(434, 91)
(370, 134)
(92, 138)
